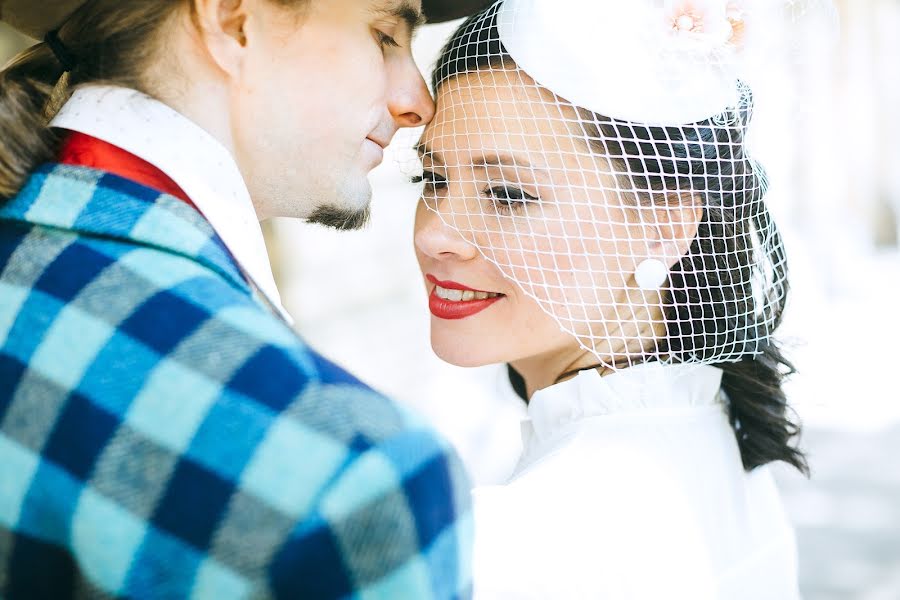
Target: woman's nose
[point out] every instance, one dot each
(440, 240)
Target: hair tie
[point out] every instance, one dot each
(62, 54)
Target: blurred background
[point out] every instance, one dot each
(827, 129)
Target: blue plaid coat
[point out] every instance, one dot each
(162, 435)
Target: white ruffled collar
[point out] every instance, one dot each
(642, 389)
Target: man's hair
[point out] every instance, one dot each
(111, 42)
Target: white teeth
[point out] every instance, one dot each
(452, 295)
(462, 295)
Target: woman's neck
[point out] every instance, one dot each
(546, 369)
(542, 371)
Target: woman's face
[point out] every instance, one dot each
(526, 246)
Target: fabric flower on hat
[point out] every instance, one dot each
(705, 25)
(687, 17)
(736, 16)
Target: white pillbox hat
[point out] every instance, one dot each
(656, 62)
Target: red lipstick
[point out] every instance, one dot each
(453, 309)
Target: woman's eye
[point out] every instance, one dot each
(507, 198)
(432, 180)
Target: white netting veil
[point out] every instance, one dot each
(595, 152)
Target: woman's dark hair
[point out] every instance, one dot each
(735, 260)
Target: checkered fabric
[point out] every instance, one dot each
(162, 435)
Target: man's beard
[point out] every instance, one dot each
(342, 219)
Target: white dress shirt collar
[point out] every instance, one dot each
(198, 163)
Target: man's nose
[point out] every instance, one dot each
(409, 100)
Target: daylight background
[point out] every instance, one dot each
(828, 132)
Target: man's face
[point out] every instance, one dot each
(323, 90)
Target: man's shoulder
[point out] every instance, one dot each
(67, 293)
(178, 410)
(136, 330)
(102, 244)
(91, 271)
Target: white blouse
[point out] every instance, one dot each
(631, 487)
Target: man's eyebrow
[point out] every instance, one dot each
(404, 10)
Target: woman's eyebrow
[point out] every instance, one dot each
(423, 150)
(484, 161)
(507, 160)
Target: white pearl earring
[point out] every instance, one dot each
(651, 274)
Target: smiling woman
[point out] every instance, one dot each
(591, 216)
(617, 242)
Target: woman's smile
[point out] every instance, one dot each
(452, 300)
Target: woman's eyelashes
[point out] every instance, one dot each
(432, 181)
(507, 199)
(504, 198)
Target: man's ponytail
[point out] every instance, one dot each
(106, 42)
(27, 86)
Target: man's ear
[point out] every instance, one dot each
(222, 27)
(675, 228)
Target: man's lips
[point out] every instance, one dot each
(375, 151)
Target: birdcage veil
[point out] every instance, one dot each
(595, 152)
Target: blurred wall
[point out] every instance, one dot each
(11, 42)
